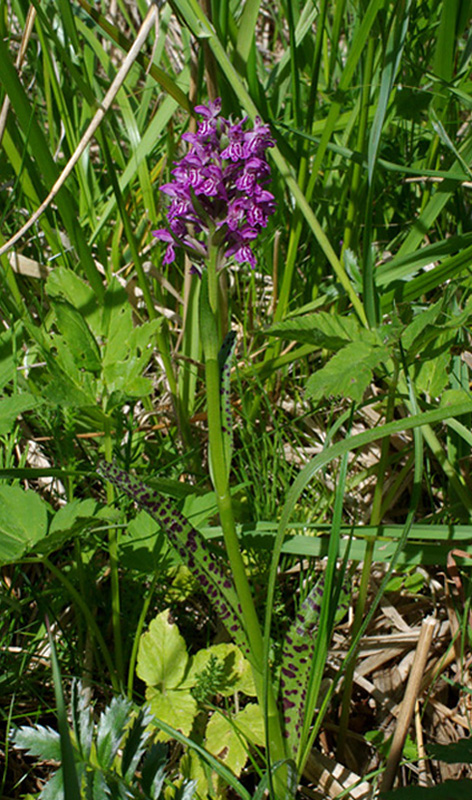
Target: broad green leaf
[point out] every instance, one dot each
(8, 357)
(77, 335)
(199, 508)
(143, 547)
(174, 706)
(348, 373)
(127, 349)
(12, 407)
(162, 655)
(41, 742)
(426, 316)
(250, 722)
(117, 317)
(62, 390)
(65, 283)
(71, 521)
(23, 522)
(430, 373)
(449, 790)
(225, 743)
(330, 331)
(67, 517)
(453, 753)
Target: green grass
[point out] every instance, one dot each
(350, 391)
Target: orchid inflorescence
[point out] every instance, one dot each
(217, 192)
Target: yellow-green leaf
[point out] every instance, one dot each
(162, 654)
(174, 706)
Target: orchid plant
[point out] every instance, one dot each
(219, 204)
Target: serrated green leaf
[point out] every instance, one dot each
(54, 789)
(23, 522)
(174, 706)
(348, 373)
(135, 744)
(61, 391)
(431, 375)
(82, 719)
(65, 283)
(329, 331)
(110, 730)
(78, 336)
(153, 770)
(426, 317)
(12, 407)
(142, 547)
(451, 397)
(162, 655)
(41, 742)
(127, 353)
(71, 513)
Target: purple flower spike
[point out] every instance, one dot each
(219, 186)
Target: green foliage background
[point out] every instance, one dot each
(360, 304)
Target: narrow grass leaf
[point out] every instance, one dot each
(393, 57)
(168, 84)
(39, 147)
(246, 28)
(68, 771)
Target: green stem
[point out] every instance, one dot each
(113, 556)
(137, 635)
(209, 325)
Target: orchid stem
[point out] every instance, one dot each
(209, 325)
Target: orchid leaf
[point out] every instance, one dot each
(190, 545)
(297, 659)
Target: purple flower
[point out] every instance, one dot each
(218, 189)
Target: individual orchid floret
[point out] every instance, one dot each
(218, 189)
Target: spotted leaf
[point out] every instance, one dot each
(190, 545)
(297, 660)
